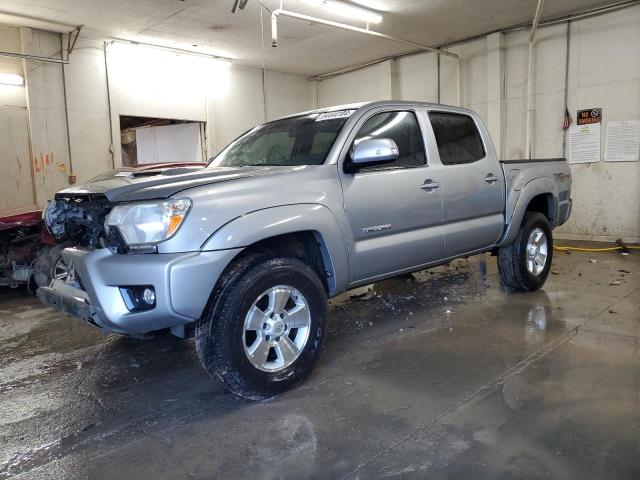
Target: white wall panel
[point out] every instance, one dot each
(17, 184)
(368, 84)
(152, 82)
(89, 124)
(418, 77)
(286, 94)
(240, 106)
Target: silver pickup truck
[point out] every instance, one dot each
(244, 253)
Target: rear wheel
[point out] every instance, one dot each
(263, 329)
(525, 264)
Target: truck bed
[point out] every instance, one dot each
(534, 160)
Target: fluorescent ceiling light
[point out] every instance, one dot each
(11, 79)
(349, 11)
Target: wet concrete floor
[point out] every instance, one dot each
(442, 374)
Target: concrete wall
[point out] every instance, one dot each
(15, 155)
(367, 84)
(604, 71)
(287, 94)
(239, 107)
(38, 143)
(89, 123)
(128, 80)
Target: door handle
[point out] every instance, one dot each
(490, 178)
(429, 185)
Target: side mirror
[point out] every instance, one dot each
(370, 152)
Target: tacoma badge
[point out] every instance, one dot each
(377, 228)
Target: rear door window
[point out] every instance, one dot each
(457, 137)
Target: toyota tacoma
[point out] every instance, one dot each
(244, 253)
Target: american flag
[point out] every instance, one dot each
(567, 119)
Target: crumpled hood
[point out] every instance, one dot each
(126, 185)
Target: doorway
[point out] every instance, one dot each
(147, 141)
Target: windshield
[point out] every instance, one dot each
(304, 140)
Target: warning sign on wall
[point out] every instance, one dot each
(592, 115)
(584, 143)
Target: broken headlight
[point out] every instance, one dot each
(149, 222)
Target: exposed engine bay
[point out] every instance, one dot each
(79, 218)
(78, 215)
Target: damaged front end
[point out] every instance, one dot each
(78, 217)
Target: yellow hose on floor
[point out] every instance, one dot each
(580, 249)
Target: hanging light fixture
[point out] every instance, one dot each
(348, 11)
(11, 79)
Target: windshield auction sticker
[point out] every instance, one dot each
(333, 115)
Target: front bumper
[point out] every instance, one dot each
(67, 299)
(182, 282)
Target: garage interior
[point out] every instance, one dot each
(442, 373)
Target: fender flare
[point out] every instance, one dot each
(258, 225)
(537, 186)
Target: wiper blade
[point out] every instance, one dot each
(263, 165)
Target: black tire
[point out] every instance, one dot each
(219, 332)
(45, 263)
(512, 262)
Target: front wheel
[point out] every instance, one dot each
(50, 265)
(525, 264)
(263, 329)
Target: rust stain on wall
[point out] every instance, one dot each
(61, 167)
(37, 165)
(40, 163)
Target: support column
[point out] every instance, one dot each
(393, 74)
(389, 80)
(495, 89)
(46, 109)
(114, 114)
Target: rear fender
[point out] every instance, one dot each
(271, 222)
(537, 186)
